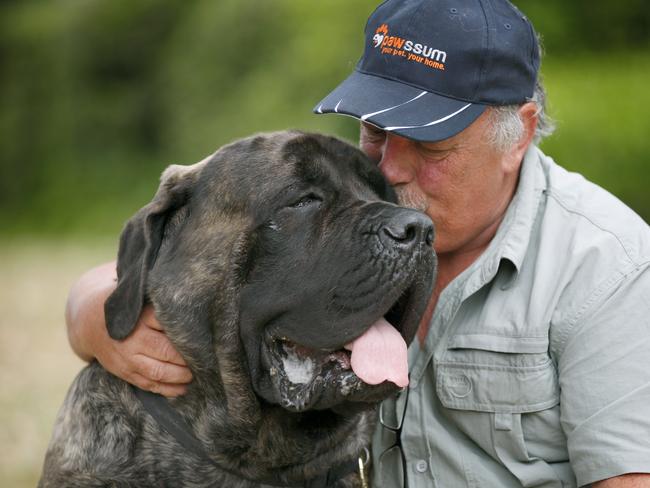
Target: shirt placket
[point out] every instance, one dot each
(421, 465)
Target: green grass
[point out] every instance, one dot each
(36, 363)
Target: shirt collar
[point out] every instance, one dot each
(511, 241)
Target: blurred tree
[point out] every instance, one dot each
(591, 26)
(97, 96)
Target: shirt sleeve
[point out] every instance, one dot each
(604, 373)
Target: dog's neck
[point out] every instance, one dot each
(262, 450)
(244, 434)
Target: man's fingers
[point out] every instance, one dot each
(148, 337)
(156, 345)
(166, 389)
(150, 374)
(147, 358)
(160, 371)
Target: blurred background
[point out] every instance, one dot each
(99, 96)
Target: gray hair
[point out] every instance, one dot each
(507, 126)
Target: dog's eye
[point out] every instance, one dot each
(307, 200)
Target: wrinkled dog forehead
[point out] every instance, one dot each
(322, 159)
(241, 172)
(251, 171)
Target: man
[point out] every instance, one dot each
(532, 364)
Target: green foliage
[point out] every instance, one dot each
(98, 96)
(579, 26)
(602, 122)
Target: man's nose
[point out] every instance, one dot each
(396, 162)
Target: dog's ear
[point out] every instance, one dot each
(139, 244)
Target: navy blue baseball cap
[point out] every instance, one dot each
(431, 67)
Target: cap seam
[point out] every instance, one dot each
(533, 45)
(372, 14)
(486, 58)
(413, 16)
(529, 27)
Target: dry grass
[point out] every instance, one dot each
(36, 364)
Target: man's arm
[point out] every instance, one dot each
(632, 480)
(146, 358)
(604, 373)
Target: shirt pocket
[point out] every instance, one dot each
(487, 382)
(500, 374)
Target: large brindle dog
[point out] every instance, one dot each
(276, 266)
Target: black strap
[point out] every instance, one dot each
(171, 421)
(333, 475)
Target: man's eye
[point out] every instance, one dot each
(373, 133)
(433, 153)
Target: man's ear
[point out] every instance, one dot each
(139, 244)
(515, 155)
(528, 113)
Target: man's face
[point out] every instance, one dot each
(463, 183)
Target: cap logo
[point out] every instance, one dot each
(378, 38)
(406, 48)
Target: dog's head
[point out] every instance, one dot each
(281, 256)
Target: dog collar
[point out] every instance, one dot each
(170, 420)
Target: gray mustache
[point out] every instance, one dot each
(411, 198)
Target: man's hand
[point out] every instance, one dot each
(146, 358)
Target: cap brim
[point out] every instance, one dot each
(403, 109)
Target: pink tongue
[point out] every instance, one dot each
(379, 355)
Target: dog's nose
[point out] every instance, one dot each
(408, 228)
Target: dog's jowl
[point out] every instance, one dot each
(291, 284)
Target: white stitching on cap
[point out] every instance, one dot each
(364, 117)
(434, 122)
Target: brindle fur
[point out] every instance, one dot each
(189, 253)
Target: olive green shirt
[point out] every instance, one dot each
(536, 367)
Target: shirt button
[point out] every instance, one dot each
(421, 466)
